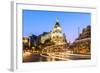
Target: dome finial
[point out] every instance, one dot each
(57, 19)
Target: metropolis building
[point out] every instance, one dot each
(56, 35)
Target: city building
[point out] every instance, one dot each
(56, 36)
(82, 44)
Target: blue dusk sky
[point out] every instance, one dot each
(37, 22)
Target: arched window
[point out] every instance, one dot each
(57, 37)
(53, 37)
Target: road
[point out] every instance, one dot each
(67, 56)
(58, 56)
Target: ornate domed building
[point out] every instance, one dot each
(55, 40)
(57, 36)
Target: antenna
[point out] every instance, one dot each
(78, 31)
